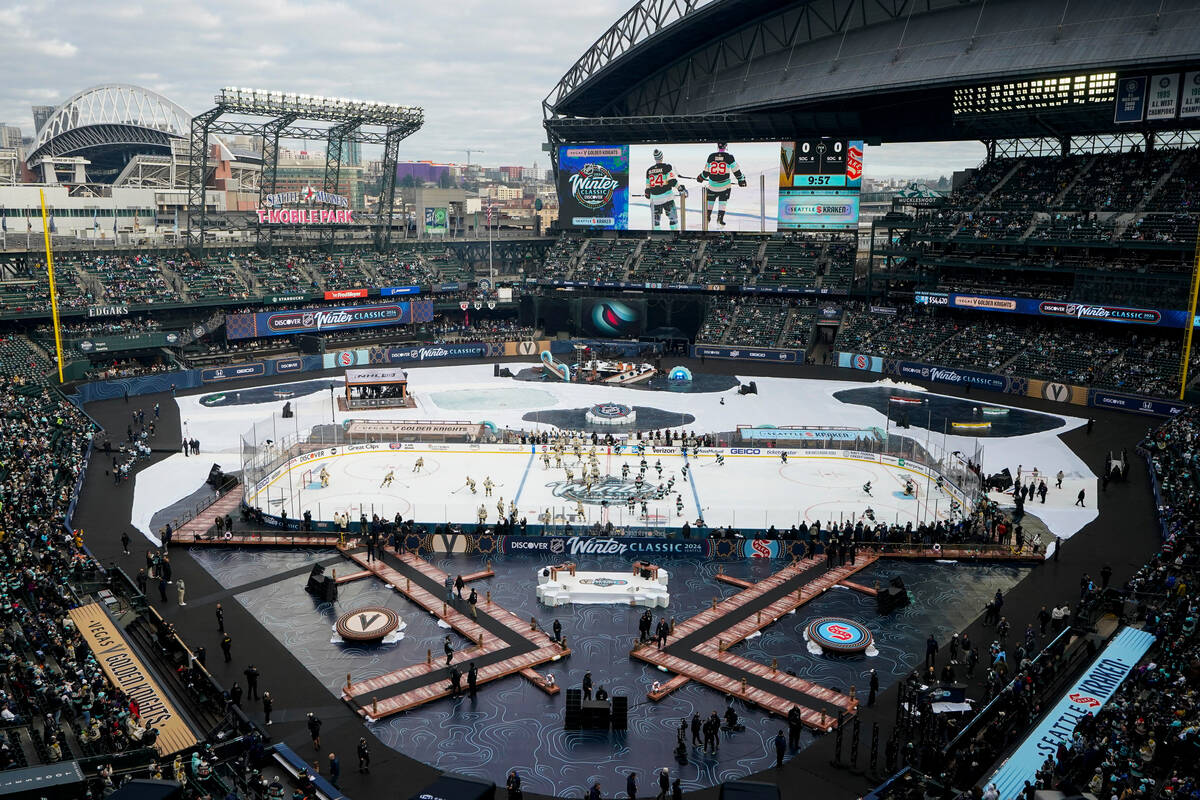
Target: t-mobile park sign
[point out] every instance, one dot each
(305, 216)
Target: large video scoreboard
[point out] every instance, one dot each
(808, 184)
(819, 184)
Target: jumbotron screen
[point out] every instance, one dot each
(740, 186)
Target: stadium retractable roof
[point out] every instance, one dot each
(904, 70)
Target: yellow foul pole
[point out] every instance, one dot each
(1189, 323)
(53, 292)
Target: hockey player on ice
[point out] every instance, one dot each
(718, 168)
(720, 460)
(661, 185)
(471, 485)
(417, 467)
(324, 476)
(488, 486)
(867, 488)
(909, 488)
(869, 513)
(391, 476)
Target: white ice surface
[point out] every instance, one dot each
(169, 481)
(762, 484)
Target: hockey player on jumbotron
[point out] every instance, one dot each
(717, 170)
(661, 184)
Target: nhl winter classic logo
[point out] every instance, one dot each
(611, 490)
(593, 186)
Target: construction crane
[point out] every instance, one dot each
(470, 150)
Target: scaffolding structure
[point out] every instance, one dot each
(283, 111)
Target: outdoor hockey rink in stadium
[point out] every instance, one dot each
(749, 490)
(753, 489)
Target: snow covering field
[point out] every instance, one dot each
(749, 490)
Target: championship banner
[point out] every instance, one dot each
(122, 666)
(1163, 99)
(1131, 99)
(1189, 105)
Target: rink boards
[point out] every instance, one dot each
(753, 489)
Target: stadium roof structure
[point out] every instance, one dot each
(885, 70)
(109, 125)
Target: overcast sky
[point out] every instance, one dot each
(479, 69)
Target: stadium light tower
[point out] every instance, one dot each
(283, 110)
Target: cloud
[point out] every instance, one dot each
(480, 69)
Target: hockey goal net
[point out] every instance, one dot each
(306, 479)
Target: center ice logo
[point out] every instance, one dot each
(593, 186)
(604, 582)
(614, 491)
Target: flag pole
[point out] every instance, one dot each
(53, 292)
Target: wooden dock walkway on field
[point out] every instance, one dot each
(706, 660)
(518, 649)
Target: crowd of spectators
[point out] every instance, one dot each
(605, 259)
(1128, 217)
(53, 693)
(130, 279)
(729, 260)
(1138, 363)
(671, 260)
(559, 261)
(28, 289)
(716, 321)
(793, 258)
(1144, 742)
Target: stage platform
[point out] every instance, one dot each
(598, 588)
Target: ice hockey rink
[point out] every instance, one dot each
(751, 490)
(746, 491)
